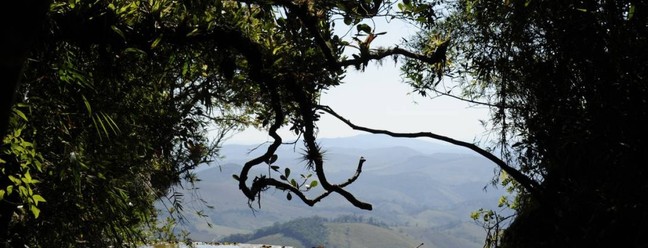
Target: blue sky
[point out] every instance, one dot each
(378, 98)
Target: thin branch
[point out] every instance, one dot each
(356, 175)
(530, 185)
(466, 99)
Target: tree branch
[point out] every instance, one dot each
(381, 54)
(257, 69)
(356, 175)
(311, 24)
(527, 183)
(261, 184)
(307, 110)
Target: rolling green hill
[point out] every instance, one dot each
(362, 235)
(316, 231)
(342, 232)
(422, 191)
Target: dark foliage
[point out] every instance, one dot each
(566, 81)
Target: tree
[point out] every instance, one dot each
(565, 80)
(177, 66)
(116, 98)
(104, 129)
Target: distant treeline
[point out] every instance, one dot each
(310, 231)
(358, 219)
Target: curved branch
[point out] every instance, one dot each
(307, 109)
(261, 184)
(251, 51)
(530, 185)
(251, 193)
(356, 175)
(487, 104)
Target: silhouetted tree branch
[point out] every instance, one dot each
(258, 73)
(381, 54)
(530, 185)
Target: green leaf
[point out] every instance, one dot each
(17, 132)
(475, 215)
(272, 159)
(20, 113)
(38, 198)
(313, 184)
(156, 42)
(135, 51)
(363, 28)
(118, 31)
(35, 211)
(348, 20)
(503, 200)
(275, 168)
(23, 191)
(185, 68)
(87, 104)
(193, 32)
(27, 178)
(110, 122)
(276, 50)
(293, 183)
(15, 180)
(287, 172)
(101, 123)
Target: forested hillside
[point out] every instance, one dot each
(422, 192)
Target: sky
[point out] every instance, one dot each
(378, 98)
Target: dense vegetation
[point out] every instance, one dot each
(567, 84)
(116, 98)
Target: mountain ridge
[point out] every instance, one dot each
(412, 189)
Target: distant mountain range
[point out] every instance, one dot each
(422, 190)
